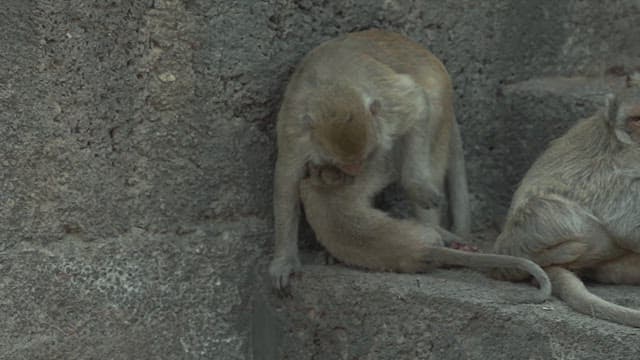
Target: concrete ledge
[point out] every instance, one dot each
(339, 313)
(138, 296)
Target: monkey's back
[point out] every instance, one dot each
(343, 57)
(584, 166)
(369, 56)
(583, 182)
(404, 56)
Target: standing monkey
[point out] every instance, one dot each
(362, 102)
(577, 210)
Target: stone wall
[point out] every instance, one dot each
(138, 146)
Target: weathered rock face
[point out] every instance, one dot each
(453, 314)
(138, 145)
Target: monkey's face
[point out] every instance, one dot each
(342, 128)
(345, 140)
(624, 110)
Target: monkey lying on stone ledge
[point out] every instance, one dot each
(376, 107)
(340, 210)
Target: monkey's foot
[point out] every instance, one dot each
(281, 268)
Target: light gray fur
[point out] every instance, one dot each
(340, 211)
(577, 210)
(415, 122)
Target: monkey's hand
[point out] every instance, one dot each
(281, 269)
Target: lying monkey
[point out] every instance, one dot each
(360, 102)
(340, 210)
(577, 210)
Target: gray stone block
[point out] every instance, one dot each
(134, 133)
(340, 313)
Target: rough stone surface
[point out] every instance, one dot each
(137, 155)
(447, 314)
(135, 296)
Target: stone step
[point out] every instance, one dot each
(538, 110)
(334, 312)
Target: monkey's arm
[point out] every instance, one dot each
(286, 208)
(422, 169)
(457, 186)
(417, 177)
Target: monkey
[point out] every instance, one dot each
(576, 212)
(355, 102)
(340, 210)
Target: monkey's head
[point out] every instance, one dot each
(342, 128)
(623, 115)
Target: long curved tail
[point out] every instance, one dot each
(448, 256)
(568, 287)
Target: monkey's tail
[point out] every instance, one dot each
(568, 287)
(448, 256)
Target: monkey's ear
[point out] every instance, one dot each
(373, 105)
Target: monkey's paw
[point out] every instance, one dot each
(281, 269)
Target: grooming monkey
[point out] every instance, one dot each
(362, 102)
(577, 210)
(340, 210)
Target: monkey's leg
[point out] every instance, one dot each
(417, 178)
(431, 217)
(624, 270)
(554, 231)
(286, 207)
(564, 253)
(457, 186)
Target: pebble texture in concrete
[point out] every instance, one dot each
(136, 158)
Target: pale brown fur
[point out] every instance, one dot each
(577, 210)
(340, 211)
(359, 102)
